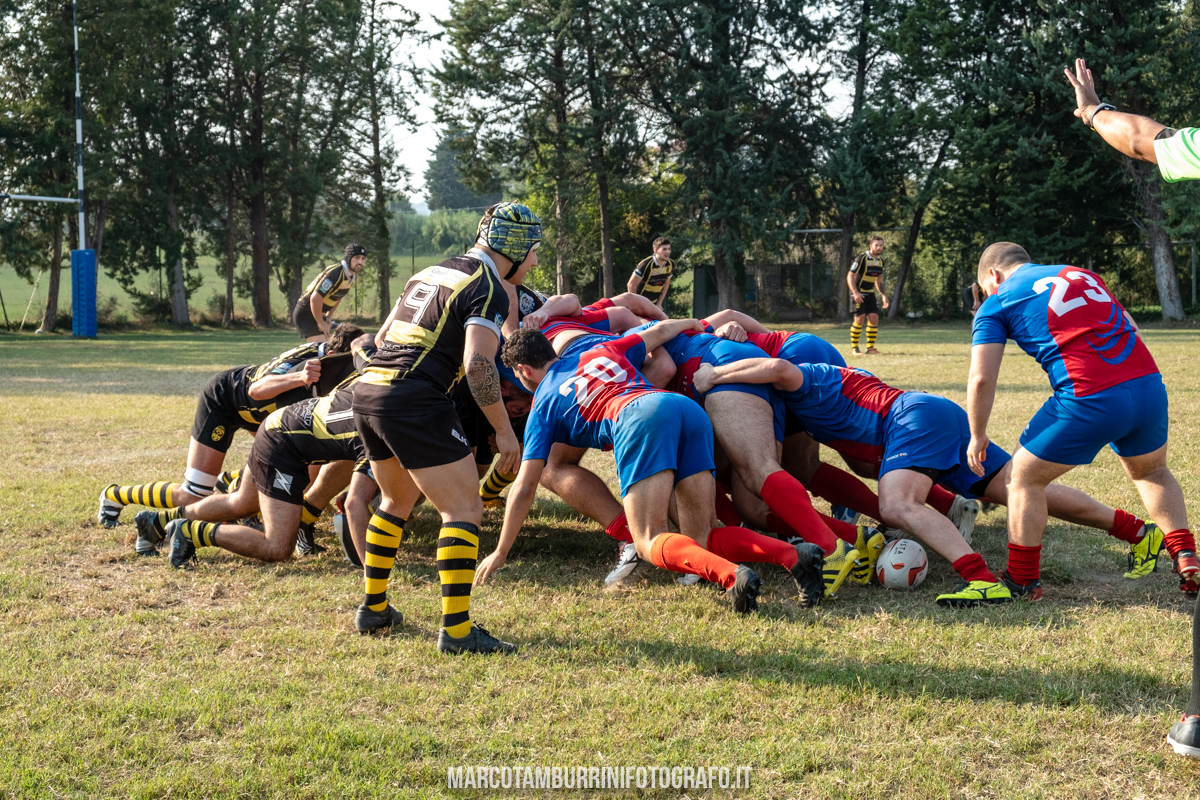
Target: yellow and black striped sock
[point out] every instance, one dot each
(163, 517)
(384, 532)
(309, 514)
(495, 483)
(228, 481)
(154, 495)
(202, 534)
(855, 332)
(457, 553)
(871, 331)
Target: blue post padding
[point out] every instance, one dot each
(83, 293)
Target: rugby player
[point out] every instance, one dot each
(864, 277)
(238, 398)
(916, 439)
(313, 310)
(651, 277)
(1177, 154)
(447, 321)
(662, 443)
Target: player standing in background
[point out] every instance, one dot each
(865, 275)
(652, 276)
(1177, 154)
(319, 301)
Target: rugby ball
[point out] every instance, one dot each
(902, 565)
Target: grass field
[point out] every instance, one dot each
(122, 678)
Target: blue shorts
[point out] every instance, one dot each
(658, 431)
(730, 352)
(804, 348)
(581, 344)
(1131, 416)
(930, 434)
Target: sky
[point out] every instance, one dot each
(415, 145)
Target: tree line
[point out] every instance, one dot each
(226, 126)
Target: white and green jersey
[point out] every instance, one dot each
(1179, 155)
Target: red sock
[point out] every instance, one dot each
(1126, 527)
(725, 509)
(841, 488)
(1181, 539)
(788, 498)
(740, 544)
(843, 530)
(678, 553)
(1024, 563)
(619, 529)
(939, 499)
(972, 567)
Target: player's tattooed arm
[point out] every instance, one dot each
(484, 379)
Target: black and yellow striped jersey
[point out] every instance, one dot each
(332, 284)
(528, 301)
(425, 341)
(255, 411)
(652, 277)
(320, 429)
(868, 271)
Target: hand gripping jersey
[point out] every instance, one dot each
(591, 319)
(797, 348)
(843, 408)
(255, 411)
(580, 399)
(425, 342)
(1068, 321)
(332, 284)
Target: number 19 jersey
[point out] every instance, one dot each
(1070, 323)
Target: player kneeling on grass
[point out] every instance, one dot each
(238, 398)
(662, 443)
(1107, 390)
(317, 431)
(917, 439)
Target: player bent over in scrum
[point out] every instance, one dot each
(238, 398)
(317, 431)
(662, 443)
(917, 439)
(1107, 391)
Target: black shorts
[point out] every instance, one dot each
(306, 324)
(422, 431)
(277, 475)
(869, 304)
(216, 419)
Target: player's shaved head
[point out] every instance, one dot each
(1002, 257)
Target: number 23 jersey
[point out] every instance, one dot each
(1066, 318)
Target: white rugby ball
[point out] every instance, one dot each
(902, 564)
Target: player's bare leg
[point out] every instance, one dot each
(358, 510)
(1160, 492)
(275, 542)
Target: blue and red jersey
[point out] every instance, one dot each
(797, 348)
(591, 319)
(1065, 318)
(843, 408)
(579, 400)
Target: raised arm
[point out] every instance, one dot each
(639, 305)
(1131, 134)
(560, 305)
(775, 371)
(748, 323)
(316, 304)
(664, 332)
(479, 357)
(274, 385)
(516, 510)
(981, 395)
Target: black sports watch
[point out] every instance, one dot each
(1100, 107)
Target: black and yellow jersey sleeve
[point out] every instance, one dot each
(334, 369)
(425, 341)
(528, 301)
(867, 271)
(652, 277)
(332, 284)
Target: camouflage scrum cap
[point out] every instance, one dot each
(512, 230)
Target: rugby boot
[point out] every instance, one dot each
(871, 351)
(869, 545)
(1187, 567)
(963, 514)
(843, 514)
(1031, 591)
(808, 573)
(837, 566)
(183, 551)
(150, 533)
(975, 593)
(1185, 737)
(368, 621)
(478, 640)
(109, 515)
(854, 351)
(745, 589)
(306, 540)
(1143, 554)
(627, 564)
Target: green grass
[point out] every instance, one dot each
(122, 678)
